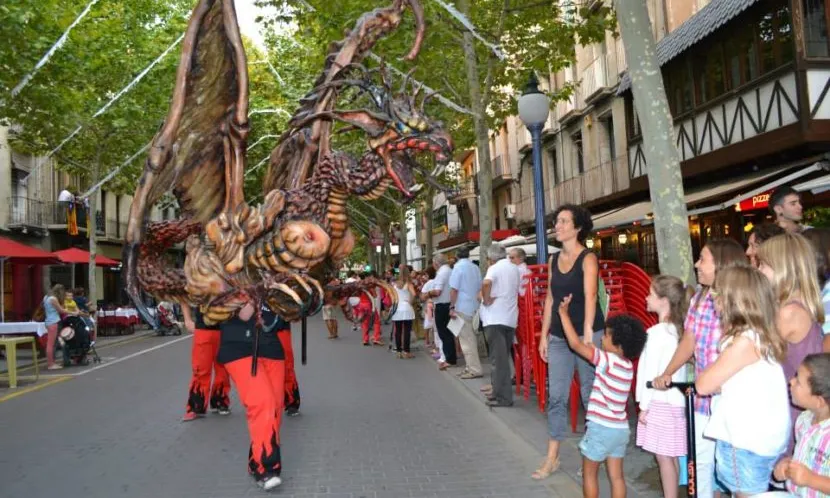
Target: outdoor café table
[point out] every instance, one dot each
(11, 343)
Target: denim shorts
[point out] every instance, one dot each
(742, 471)
(601, 442)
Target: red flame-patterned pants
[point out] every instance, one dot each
(203, 359)
(292, 387)
(262, 397)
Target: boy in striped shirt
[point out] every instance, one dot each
(607, 430)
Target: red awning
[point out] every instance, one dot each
(81, 257)
(21, 253)
(495, 234)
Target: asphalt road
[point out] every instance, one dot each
(371, 426)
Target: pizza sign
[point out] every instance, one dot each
(760, 201)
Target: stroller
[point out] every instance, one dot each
(168, 325)
(75, 339)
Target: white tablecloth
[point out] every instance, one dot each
(14, 328)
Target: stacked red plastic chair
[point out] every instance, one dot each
(530, 369)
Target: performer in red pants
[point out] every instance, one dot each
(261, 392)
(370, 311)
(292, 387)
(203, 361)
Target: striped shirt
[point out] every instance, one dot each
(811, 450)
(609, 395)
(703, 320)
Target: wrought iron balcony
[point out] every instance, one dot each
(467, 189)
(594, 183)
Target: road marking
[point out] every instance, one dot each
(131, 356)
(34, 388)
(42, 361)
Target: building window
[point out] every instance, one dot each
(815, 28)
(775, 38)
(580, 163)
(679, 87)
(711, 76)
(750, 46)
(632, 121)
(553, 166)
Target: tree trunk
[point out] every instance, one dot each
(428, 226)
(93, 231)
(485, 173)
(402, 242)
(671, 222)
(385, 252)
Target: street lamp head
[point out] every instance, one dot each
(534, 105)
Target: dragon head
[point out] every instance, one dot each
(409, 133)
(397, 127)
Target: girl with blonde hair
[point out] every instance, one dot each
(789, 262)
(751, 420)
(404, 314)
(53, 308)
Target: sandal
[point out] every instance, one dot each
(545, 470)
(408, 356)
(443, 366)
(485, 389)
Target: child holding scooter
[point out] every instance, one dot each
(662, 423)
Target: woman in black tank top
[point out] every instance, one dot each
(573, 271)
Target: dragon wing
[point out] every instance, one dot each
(293, 158)
(199, 150)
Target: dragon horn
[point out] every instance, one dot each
(406, 81)
(420, 26)
(427, 97)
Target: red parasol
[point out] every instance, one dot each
(80, 257)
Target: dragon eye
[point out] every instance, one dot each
(402, 128)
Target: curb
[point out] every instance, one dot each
(109, 342)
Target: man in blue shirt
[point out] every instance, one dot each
(465, 284)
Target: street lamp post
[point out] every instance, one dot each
(534, 107)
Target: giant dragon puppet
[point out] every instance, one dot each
(277, 253)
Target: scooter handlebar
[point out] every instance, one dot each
(679, 385)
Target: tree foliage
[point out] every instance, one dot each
(534, 35)
(110, 47)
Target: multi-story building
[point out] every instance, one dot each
(747, 82)
(30, 214)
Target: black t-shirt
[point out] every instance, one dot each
(237, 340)
(573, 284)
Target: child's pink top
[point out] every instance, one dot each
(812, 449)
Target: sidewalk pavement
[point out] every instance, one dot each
(526, 421)
(24, 356)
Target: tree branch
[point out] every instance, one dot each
(491, 61)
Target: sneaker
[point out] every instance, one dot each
(292, 411)
(191, 416)
(269, 483)
(56, 366)
(223, 410)
(365, 343)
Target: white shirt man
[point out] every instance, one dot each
(465, 284)
(518, 257)
(500, 315)
(440, 293)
